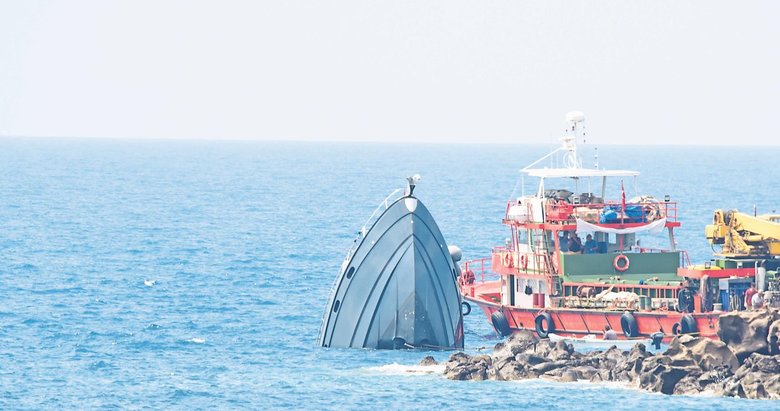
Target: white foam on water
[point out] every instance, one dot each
(401, 369)
(197, 340)
(150, 283)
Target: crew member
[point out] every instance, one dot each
(685, 299)
(757, 301)
(591, 247)
(575, 244)
(609, 333)
(565, 242)
(749, 293)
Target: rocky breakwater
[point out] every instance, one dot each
(738, 366)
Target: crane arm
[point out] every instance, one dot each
(744, 234)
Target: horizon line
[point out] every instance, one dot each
(380, 141)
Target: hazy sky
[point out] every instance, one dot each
(704, 72)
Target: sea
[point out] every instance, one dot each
(193, 274)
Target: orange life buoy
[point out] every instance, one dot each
(508, 261)
(616, 263)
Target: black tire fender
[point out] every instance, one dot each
(465, 308)
(500, 323)
(629, 325)
(544, 325)
(688, 325)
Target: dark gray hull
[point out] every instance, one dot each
(398, 289)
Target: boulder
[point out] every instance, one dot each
(715, 378)
(510, 371)
(705, 353)
(471, 368)
(663, 377)
(546, 367)
(627, 368)
(585, 372)
(459, 357)
(518, 342)
(688, 385)
(569, 376)
(429, 360)
(747, 332)
(757, 378)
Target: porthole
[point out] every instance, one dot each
(350, 273)
(336, 306)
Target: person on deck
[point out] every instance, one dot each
(749, 293)
(591, 247)
(685, 299)
(565, 242)
(757, 301)
(574, 244)
(609, 333)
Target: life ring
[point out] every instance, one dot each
(508, 260)
(500, 323)
(465, 308)
(676, 329)
(688, 325)
(544, 324)
(524, 261)
(629, 325)
(616, 263)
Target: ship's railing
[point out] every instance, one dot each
(533, 263)
(390, 199)
(611, 212)
(685, 260)
(482, 269)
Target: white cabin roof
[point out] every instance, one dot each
(577, 172)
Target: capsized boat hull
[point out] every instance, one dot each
(399, 288)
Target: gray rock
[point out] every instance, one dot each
(663, 378)
(585, 372)
(747, 332)
(548, 366)
(757, 378)
(569, 376)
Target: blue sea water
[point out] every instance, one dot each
(194, 274)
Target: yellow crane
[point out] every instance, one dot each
(744, 235)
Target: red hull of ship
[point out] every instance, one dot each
(579, 322)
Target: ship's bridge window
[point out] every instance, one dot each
(522, 236)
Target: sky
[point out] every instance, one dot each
(454, 71)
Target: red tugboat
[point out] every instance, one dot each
(573, 263)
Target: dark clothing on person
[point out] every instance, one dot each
(591, 247)
(574, 244)
(685, 300)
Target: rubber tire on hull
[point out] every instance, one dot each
(544, 325)
(628, 325)
(465, 308)
(688, 325)
(500, 323)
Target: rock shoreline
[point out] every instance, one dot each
(745, 363)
